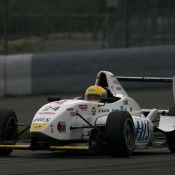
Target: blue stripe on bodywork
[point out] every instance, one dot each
(137, 129)
(141, 129)
(148, 130)
(144, 130)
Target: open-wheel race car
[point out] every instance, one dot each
(105, 119)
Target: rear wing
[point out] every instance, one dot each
(150, 79)
(145, 79)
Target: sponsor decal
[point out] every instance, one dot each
(70, 109)
(47, 108)
(41, 119)
(113, 76)
(86, 132)
(125, 102)
(103, 110)
(115, 82)
(131, 109)
(118, 88)
(122, 108)
(38, 126)
(83, 107)
(72, 114)
(51, 127)
(61, 127)
(60, 102)
(46, 113)
(93, 111)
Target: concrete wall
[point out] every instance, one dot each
(18, 77)
(15, 75)
(74, 71)
(2, 75)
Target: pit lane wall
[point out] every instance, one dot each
(73, 72)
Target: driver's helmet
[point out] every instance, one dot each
(95, 93)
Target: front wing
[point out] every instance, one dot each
(52, 148)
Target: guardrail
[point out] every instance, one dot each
(74, 71)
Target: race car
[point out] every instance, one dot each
(104, 119)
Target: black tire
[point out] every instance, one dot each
(171, 136)
(171, 142)
(8, 130)
(171, 111)
(120, 134)
(97, 141)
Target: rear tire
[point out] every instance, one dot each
(171, 142)
(171, 136)
(8, 130)
(120, 134)
(171, 111)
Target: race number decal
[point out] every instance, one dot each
(142, 130)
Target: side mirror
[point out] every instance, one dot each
(51, 99)
(104, 99)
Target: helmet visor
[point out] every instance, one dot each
(92, 97)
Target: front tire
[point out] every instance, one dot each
(120, 134)
(8, 130)
(97, 143)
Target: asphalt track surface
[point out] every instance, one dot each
(143, 162)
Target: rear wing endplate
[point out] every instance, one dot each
(150, 79)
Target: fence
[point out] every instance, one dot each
(31, 23)
(141, 23)
(57, 25)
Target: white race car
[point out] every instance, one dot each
(105, 119)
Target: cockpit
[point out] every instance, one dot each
(100, 92)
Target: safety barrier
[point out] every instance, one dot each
(71, 72)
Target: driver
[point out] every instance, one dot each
(95, 93)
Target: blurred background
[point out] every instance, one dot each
(35, 26)
(58, 47)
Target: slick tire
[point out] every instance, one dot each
(171, 136)
(171, 111)
(120, 134)
(8, 130)
(171, 142)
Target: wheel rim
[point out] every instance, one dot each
(129, 135)
(11, 129)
